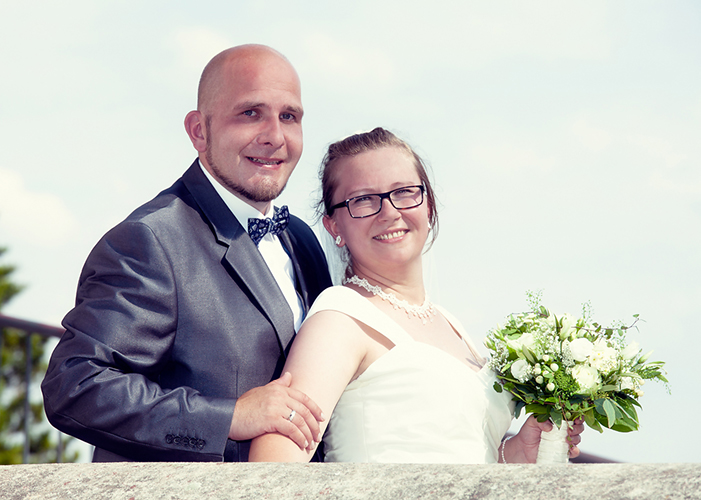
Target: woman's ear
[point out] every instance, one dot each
(332, 229)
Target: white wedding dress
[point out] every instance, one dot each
(415, 404)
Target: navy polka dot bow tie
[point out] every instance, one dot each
(257, 228)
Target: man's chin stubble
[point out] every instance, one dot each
(266, 190)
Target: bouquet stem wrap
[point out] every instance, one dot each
(554, 448)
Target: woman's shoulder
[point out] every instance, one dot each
(337, 298)
(334, 316)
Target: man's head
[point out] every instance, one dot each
(248, 124)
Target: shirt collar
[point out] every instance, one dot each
(241, 210)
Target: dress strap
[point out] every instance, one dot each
(457, 326)
(349, 302)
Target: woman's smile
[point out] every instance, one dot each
(391, 236)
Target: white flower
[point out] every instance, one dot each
(632, 382)
(587, 378)
(627, 383)
(554, 367)
(567, 359)
(539, 379)
(581, 348)
(568, 323)
(551, 320)
(526, 340)
(603, 357)
(550, 386)
(631, 350)
(521, 370)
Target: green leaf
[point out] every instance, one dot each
(537, 409)
(628, 410)
(529, 356)
(591, 421)
(497, 387)
(556, 417)
(517, 409)
(610, 412)
(625, 424)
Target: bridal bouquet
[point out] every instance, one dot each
(564, 368)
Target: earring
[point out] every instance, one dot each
(338, 241)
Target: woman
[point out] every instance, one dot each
(400, 377)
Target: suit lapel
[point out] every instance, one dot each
(242, 258)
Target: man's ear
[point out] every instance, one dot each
(332, 229)
(196, 130)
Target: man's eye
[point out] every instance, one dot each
(250, 112)
(287, 117)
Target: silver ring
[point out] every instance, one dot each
(292, 415)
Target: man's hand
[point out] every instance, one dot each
(267, 409)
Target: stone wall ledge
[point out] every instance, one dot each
(185, 481)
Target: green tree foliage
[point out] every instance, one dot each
(13, 387)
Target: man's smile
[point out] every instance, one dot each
(263, 161)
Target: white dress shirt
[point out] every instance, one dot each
(270, 248)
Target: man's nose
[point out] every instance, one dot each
(272, 133)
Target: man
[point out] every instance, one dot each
(182, 319)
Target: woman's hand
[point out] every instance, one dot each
(523, 447)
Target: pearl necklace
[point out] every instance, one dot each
(423, 312)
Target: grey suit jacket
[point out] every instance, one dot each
(176, 316)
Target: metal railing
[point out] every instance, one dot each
(30, 328)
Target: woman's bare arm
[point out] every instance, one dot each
(326, 355)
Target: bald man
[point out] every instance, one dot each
(186, 309)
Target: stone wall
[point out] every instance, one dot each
(185, 481)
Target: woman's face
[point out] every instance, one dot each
(391, 237)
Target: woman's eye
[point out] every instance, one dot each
(405, 192)
(361, 200)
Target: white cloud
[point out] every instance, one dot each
(196, 45)
(658, 147)
(346, 64)
(474, 33)
(33, 216)
(505, 157)
(591, 136)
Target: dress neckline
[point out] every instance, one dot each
(447, 317)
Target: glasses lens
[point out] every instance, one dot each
(407, 197)
(362, 206)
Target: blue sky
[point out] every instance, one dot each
(563, 139)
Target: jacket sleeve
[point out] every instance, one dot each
(102, 383)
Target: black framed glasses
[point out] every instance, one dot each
(370, 204)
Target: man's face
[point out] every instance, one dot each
(253, 127)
